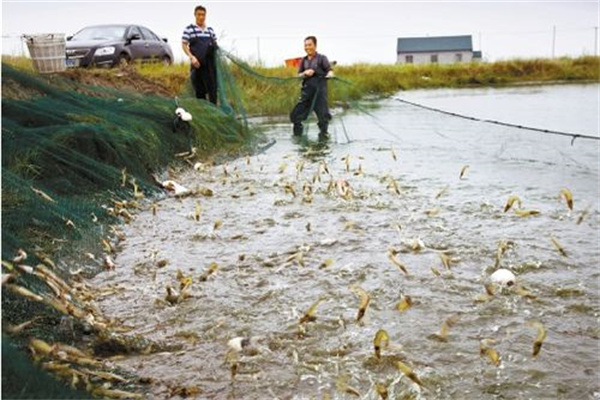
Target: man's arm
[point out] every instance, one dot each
(186, 49)
(185, 45)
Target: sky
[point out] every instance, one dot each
(347, 32)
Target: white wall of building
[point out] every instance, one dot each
(444, 57)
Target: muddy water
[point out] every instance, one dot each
(261, 290)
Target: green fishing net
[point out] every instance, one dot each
(66, 148)
(72, 142)
(70, 150)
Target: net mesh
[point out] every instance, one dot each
(73, 143)
(69, 150)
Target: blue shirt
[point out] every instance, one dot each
(202, 41)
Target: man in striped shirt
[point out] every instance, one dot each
(199, 43)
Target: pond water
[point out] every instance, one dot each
(272, 249)
(569, 108)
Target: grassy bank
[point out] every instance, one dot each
(274, 97)
(268, 97)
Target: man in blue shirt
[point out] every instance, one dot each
(315, 69)
(199, 43)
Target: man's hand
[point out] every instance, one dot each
(195, 62)
(309, 72)
(330, 75)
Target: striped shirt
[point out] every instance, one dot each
(202, 41)
(194, 31)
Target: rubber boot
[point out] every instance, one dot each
(323, 130)
(298, 129)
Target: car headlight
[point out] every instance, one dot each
(105, 51)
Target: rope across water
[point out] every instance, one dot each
(573, 136)
(249, 70)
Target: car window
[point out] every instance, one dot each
(100, 33)
(148, 35)
(133, 30)
(154, 35)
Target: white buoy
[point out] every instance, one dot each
(187, 117)
(182, 114)
(503, 277)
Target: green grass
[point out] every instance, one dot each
(269, 97)
(22, 63)
(266, 97)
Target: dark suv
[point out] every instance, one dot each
(110, 45)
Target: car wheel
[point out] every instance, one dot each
(166, 60)
(124, 60)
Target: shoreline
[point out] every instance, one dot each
(270, 118)
(273, 91)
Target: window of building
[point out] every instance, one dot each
(434, 58)
(409, 59)
(458, 57)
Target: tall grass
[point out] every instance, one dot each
(22, 63)
(269, 97)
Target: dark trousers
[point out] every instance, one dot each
(313, 97)
(204, 81)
